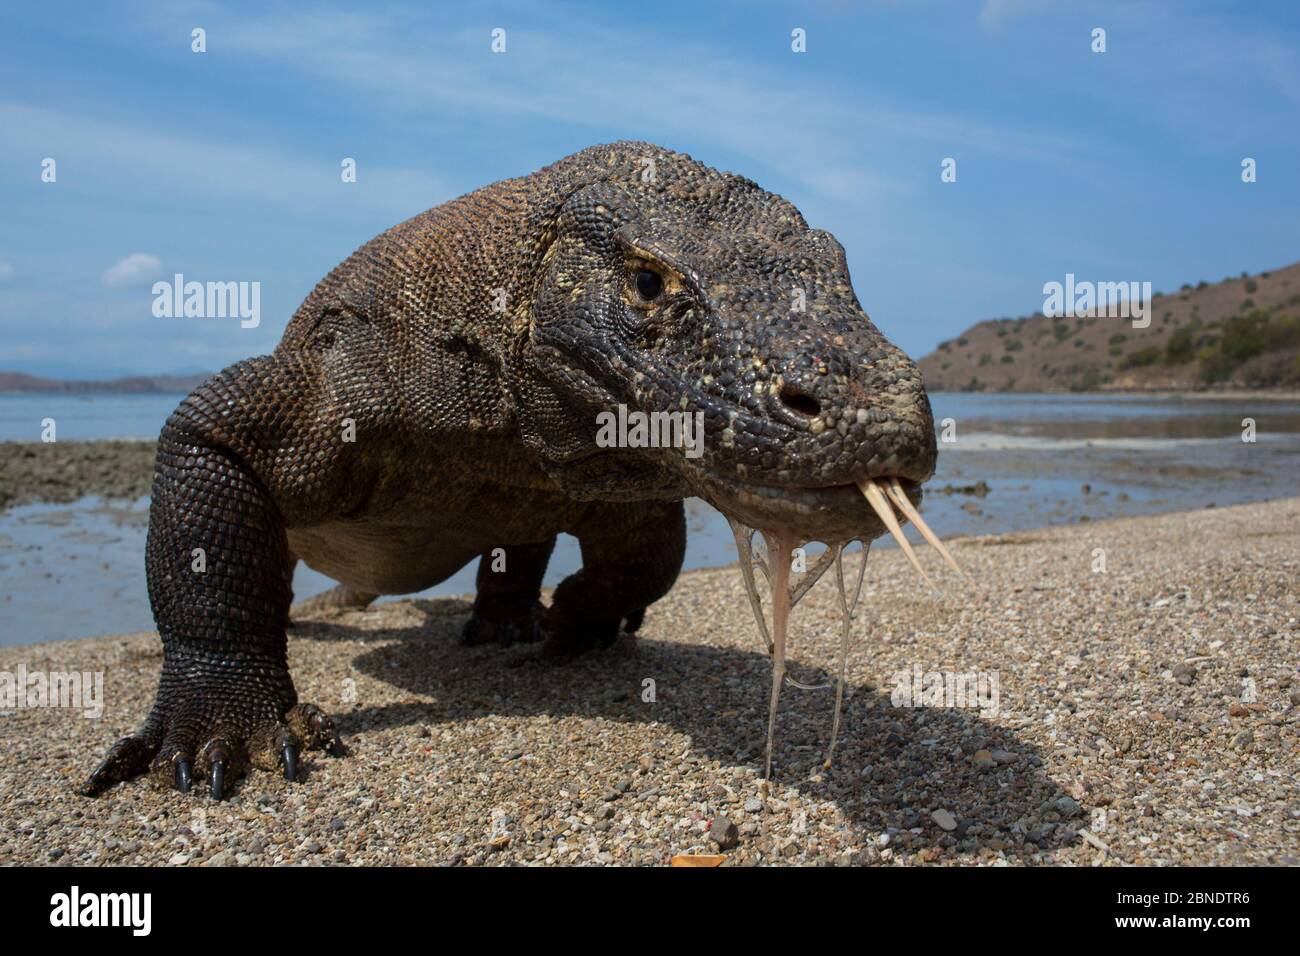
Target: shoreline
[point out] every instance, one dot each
(1148, 715)
(66, 471)
(1180, 395)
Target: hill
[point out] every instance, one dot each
(1242, 332)
(18, 383)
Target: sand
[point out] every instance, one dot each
(1147, 714)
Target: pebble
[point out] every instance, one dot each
(724, 833)
(1067, 806)
(944, 819)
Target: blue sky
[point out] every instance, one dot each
(225, 165)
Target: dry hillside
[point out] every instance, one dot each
(1242, 332)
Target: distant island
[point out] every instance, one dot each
(1240, 333)
(20, 383)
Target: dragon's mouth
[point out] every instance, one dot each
(829, 513)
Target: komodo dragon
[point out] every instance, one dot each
(435, 399)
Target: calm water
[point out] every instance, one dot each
(85, 417)
(75, 570)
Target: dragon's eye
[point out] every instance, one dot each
(649, 284)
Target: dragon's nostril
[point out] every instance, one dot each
(799, 402)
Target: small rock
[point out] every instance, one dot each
(1067, 806)
(982, 759)
(1295, 695)
(944, 819)
(1243, 740)
(724, 833)
(753, 805)
(1237, 709)
(1184, 673)
(1003, 756)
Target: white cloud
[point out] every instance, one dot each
(6, 271)
(135, 268)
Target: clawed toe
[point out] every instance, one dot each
(127, 758)
(221, 759)
(218, 779)
(504, 623)
(566, 639)
(224, 755)
(315, 729)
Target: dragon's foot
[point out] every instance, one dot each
(571, 634)
(194, 741)
(503, 621)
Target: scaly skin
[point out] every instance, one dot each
(435, 398)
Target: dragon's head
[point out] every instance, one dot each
(669, 287)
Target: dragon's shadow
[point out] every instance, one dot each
(718, 696)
